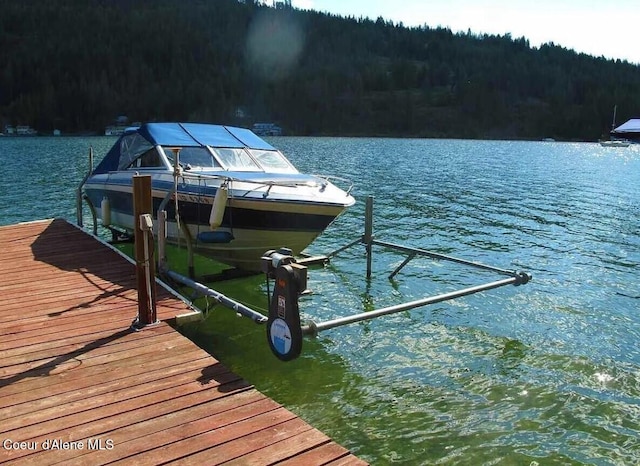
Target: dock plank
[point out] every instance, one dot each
(73, 370)
(137, 437)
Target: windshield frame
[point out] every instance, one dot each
(238, 159)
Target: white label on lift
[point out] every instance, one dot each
(282, 304)
(280, 336)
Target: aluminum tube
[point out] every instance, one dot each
(435, 255)
(317, 327)
(222, 299)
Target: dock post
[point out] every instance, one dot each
(190, 260)
(145, 267)
(79, 193)
(368, 231)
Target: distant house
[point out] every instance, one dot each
(19, 130)
(25, 130)
(266, 129)
(121, 123)
(114, 130)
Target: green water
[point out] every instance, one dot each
(547, 373)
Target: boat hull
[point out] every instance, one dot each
(615, 143)
(251, 224)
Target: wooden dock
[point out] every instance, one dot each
(78, 385)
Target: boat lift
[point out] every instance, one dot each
(285, 331)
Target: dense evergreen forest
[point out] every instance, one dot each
(77, 65)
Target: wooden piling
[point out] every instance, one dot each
(145, 267)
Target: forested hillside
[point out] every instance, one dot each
(77, 65)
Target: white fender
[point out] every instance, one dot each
(219, 205)
(105, 211)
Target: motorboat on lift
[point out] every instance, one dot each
(226, 191)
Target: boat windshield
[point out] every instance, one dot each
(235, 159)
(193, 157)
(272, 161)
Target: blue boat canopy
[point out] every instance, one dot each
(138, 140)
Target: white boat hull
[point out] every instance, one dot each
(260, 223)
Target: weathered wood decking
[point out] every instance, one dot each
(72, 370)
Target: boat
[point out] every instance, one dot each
(623, 135)
(226, 191)
(629, 131)
(615, 143)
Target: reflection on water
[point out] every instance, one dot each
(546, 373)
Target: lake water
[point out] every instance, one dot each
(547, 373)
